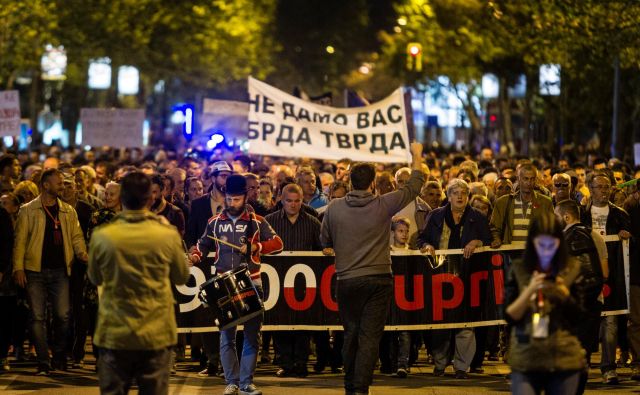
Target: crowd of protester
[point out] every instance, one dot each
(467, 202)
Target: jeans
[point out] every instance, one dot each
(556, 383)
(49, 285)
(363, 305)
(118, 368)
(240, 372)
(465, 348)
(609, 340)
(400, 347)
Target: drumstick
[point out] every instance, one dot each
(225, 243)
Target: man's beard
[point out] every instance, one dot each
(234, 212)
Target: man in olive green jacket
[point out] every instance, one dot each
(526, 201)
(136, 258)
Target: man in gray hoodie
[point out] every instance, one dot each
(357, 228)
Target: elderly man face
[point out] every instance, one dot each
(527, 180)
(600, 189)
(432, 194)
(561, 186)
(402, 178)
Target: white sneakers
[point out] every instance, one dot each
(233, 389)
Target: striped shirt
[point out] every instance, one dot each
(302, 235)
(521, 219)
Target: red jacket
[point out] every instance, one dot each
(222, 227)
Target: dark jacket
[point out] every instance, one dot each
(198, 218)
(580, 245)
(561, 350)
(474, 227)
(174, 215)
(632, 207)
(6, 254)
(617, 220)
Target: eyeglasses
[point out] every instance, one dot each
(563, 185)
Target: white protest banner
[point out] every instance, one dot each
(9, 113)
(114, 127)
(284, 125)
(226, 116)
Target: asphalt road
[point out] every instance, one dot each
(22, 380)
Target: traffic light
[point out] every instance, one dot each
(414, 57)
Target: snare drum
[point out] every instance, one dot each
(232, 297)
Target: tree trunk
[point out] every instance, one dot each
(33, 108)
(528, 101)
(616, 104)
(505, 113)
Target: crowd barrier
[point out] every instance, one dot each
(446, 292)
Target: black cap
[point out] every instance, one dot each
(236, 185)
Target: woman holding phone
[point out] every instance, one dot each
(545, 355)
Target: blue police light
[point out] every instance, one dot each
(214, 140)
(184, 114)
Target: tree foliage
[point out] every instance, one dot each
(203, 42)
(463, 39)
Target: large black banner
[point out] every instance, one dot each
(446, 292)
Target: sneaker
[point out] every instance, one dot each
(43, 370)
(231, 389)
(461, 374)
(438, 372)
(284, 373)
(610, 377)
(250, 389)
(209, 371)
(402, 373)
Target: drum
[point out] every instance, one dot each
(232, 297)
